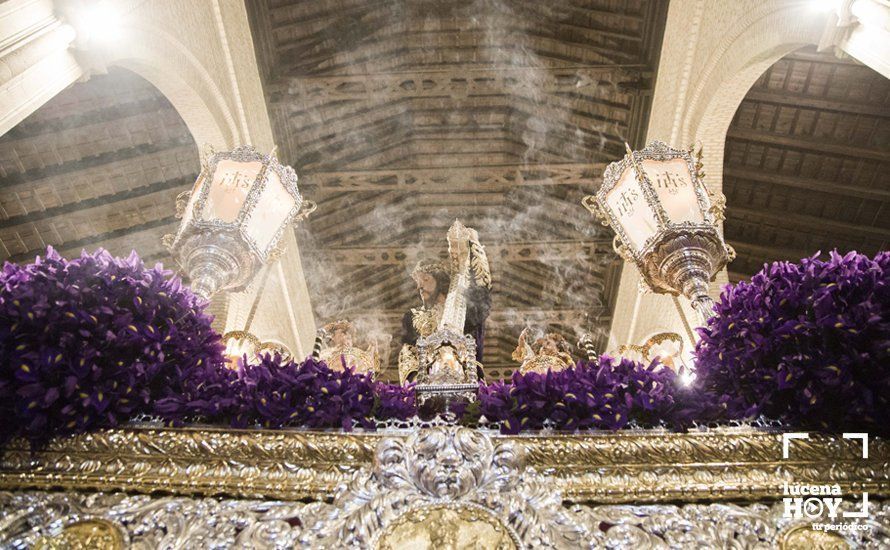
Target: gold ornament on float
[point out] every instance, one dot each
(342, 353)
(447, 527)
(89, 534)
(547, 353)
(240, 343)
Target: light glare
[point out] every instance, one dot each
(101, 23)
(825, 6)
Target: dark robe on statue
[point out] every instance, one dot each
(478, 308)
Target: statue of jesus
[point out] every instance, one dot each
(455, 295)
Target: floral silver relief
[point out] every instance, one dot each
(33, 519)
(443, 486)
(452, 467)
(30, 518)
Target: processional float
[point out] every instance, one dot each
(434, 484)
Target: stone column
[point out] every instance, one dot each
(277, 305)
(36, 61)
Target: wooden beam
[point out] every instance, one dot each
(807, 143)
(455, 83)
(818, 226)
(513, 317)
(820, 57)
(287, 13)
(121, 198)
(501, 252)
(73, 247)
(796, 100)
(128, 154)
(394, 47)
(89, 226)
(579, 17)
(801, 182)
(346, 122)
(768, 253)
(466, 178)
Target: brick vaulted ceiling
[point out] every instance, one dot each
(807, 163)
(401, 116)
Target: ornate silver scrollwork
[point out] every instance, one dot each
(730, 252)
(621, 249)
(113, 521)
(724, 525)
(306, 209)
(589, 202)
(438, 512)
(182, 200)
(718, 206)
(446, 473)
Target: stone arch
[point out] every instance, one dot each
(761, 38)
(804, 158)
(171, 67)
(99, 165)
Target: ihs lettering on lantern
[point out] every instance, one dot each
(235, 180)
(627, 200)
(671, 182)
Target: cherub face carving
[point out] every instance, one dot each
(449, 463)
(341, 338)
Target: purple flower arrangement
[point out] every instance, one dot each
(90, 342)
(806, 343)
(275, 394)
(606, 394)
(95, 341)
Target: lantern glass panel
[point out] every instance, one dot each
(629, 205)
(675, 189)
(229, 187)
(270, 212)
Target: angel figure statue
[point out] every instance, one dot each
(549, 352)
(337, 348)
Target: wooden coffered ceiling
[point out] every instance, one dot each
(807, 163)
(99, 165)
(401, 116)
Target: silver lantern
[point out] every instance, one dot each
(234, 218)
(664, 222)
